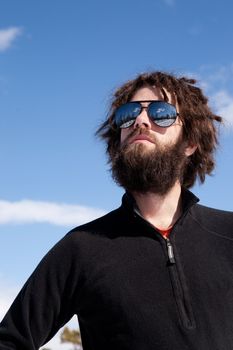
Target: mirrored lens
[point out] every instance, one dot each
(126, 114)
(163, 113)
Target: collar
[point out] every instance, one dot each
(188, 200)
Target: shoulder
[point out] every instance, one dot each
(212, 213)
(106, 226)
(81, 243)
(215, 220)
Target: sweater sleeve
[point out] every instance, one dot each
(46, 302)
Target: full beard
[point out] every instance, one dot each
(143, 170)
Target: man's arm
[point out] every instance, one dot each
(46, 302)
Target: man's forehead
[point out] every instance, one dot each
(160, 92)
(171, 96)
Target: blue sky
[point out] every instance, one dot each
(60, 61)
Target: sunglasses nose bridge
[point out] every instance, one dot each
(142, 118)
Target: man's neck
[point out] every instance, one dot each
(161, 211)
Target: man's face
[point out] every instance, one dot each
(150, 158)
(162, 135)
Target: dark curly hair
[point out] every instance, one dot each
(199, 122)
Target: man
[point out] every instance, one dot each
(156, 273)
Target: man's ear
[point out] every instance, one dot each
(189, 150)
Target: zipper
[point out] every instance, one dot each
(181, 296)
(178, 283)
(170, 251)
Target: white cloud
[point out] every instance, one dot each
(223, 103)
(7, 36)
(29, 211)
(216, 81)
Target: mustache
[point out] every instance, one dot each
(137, 132)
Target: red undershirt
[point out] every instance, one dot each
(165, 233)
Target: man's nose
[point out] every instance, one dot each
(142, 120)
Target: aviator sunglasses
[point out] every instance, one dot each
(162, 113)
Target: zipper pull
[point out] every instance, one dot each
(170, 252)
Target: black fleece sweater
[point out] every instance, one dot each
(132, 289)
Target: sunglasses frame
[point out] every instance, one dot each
(132, 121)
